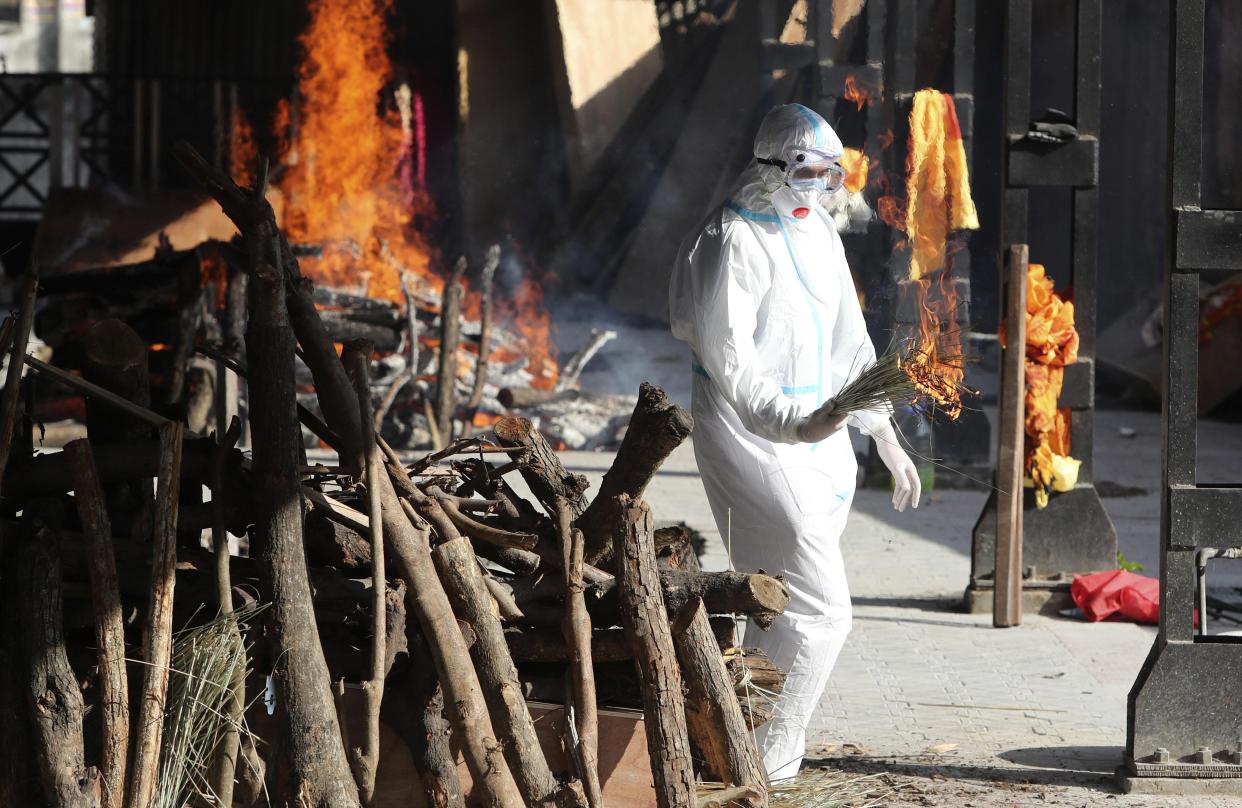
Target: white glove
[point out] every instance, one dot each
(906, 484)
(821, 423)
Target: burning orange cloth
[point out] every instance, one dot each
(856, 164)
(938, 197)
(1051, 344)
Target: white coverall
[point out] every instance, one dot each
(768, 306)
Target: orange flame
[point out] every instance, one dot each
(860, 96)
(935, 362)
(533, 323)
(892, 211)
(856, 165)
(341, 185)
(242, 149)
(346, 186)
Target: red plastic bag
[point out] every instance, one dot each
(1103, 594)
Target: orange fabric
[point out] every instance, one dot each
(1051, 344)
(938, 196)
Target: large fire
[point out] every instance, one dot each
(352, 169)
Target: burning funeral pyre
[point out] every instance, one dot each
(391, 610)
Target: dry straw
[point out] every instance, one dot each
(205, 661)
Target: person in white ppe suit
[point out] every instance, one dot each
(763, 295)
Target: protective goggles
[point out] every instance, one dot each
(810, 169)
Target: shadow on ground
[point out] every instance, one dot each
(1039, 768)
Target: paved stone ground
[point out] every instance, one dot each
(965, 714)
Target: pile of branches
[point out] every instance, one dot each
(501, 587)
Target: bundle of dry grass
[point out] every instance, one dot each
(206, 661)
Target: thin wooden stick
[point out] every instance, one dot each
(450, 335)
(13, 378)
(224, 764)
(411, 369)
(99, 393)
(308, 418)
(576, 626)
(157, 632)
(365, 760)
(1007, 595)
(109, 624)
(487, 289)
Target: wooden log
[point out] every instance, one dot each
(472, 603)
(223, 770)
(487, 290)
(19, 781)
(675, 548)
(415, 703)
(757, 682)
(713, 716)
(463, 694)
(1007, 594)
(331, 544)
(657, 427)
(533, 644)
(316, 772)
(576, 627)
(109, 624)
(733, 797)
(157, 629)
(407, 540)
(524, 398)
(760, 597)
(541, 468)
(482, 531)
(116, 360)
(411, 347)
(646, 624)
(55, 701)
(190, 295)
(345, 329)
(365, 760)
(450, 335)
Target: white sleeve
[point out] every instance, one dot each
(727, 308)
(852, 351)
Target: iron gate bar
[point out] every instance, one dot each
(1181, 722)
(1073, 533)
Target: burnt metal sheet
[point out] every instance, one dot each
(1074, 164)
(1209, 239)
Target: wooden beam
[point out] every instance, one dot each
(1007, 596)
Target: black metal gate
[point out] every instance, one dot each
(83, 129)
(1185, 715)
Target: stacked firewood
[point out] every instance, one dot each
(444, 592)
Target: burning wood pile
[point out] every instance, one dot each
(380, 605)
